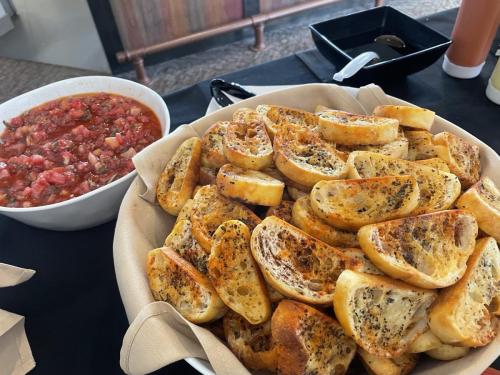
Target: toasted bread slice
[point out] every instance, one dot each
(252, 344)
(283, 211)
(350, 129)
(174, 280)
(207, 176)
(296, 264)
(247, 145)
(446, 352)
(462, 157)
(246, 115)
(401, 365)
(483, 200)
(438, 190)
(382, 315)
(180, 176)
(397, 149)
(185, 212)
(350, 204)
(413, 117)
(275, 117)
(235, 275)
(460, 315)
(249, 186)
(363, 263)
(305, 158)
(304, 217)
(295, 193)
(426, 341)
(211, 209)
(181, 239)
(309, 342)
(428, 251)
(212, 150)
(420, 145)
(436, 163)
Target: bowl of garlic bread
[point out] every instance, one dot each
(275, 243)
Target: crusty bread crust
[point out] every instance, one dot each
(483, 200)
(249, 186)
(438, 190)
(309, 342)
(350, 204)
(181, 240)
(397, 149)
(305, 158)
(352, 129)
(414, 117)
(462, 157)
(304, 217)
(212, 150)
(382, 315)
(174, 280)
(283, 211)
(211, 209)
(235, 275)
(252, 344)
(428, 251)
(247, 145)
(275, 117)
(401, 365)
(295, 264)
(460, 316)
(180, 176)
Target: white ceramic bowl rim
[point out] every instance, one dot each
(93, 192)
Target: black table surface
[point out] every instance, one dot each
(75, 320)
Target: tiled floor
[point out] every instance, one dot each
(17, 77)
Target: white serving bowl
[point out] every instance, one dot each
(100, 205)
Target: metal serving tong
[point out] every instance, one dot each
(219, 88)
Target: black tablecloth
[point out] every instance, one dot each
(75, 320)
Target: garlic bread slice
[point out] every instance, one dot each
(181, 240)
(445, 352)
(382, 315)
(296, 193)
(426, 341)
(295, 264)
(212, 150)
(174, 280)
(363, 263)
(235, 275)
(350, 204)
(304, 218)
(211, 209)
(207, 176)
(351, 129)
(249, 186)
(461, 315)
(483, 200)
(309, 342)
(283, 211)
(397, 149)
(413, 117)
(462, 157)
(185, 212)
(246, 115)
(420, 145)
(180, 176)
(251, 343)
(305, 158)
(428, 251)
(401, 365)
(247, 145)
(436, 163)
(438, 189)
(275, 117)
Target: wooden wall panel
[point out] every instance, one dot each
(145, 22)
(270, 5)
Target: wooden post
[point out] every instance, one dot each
(140, 71)
(260, 43)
